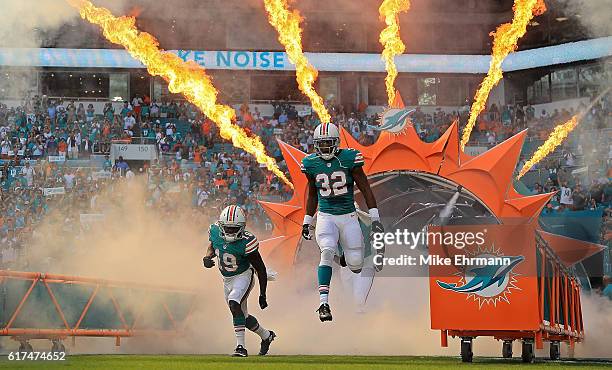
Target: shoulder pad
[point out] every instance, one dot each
(248, 236)
(251, 243)
(310, 157)
(352, 155)
(212, 229)
(307, 161)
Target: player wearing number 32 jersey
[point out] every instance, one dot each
(238, 256)
(332, 174)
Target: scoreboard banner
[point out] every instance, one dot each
(331, 62)
(134, 152)
(54, 191)
(57, 158)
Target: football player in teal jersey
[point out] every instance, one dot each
(332, 175)
(238, 257)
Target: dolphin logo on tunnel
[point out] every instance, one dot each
(486, 281)
(394, 120)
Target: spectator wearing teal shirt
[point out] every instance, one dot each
(607, 283)
(506, 116)
(126, 108)
(164, 110)
(109, 112)
(107, 164)
(90, 112)
(144, 111)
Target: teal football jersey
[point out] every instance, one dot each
(232, 257)
(334, 180)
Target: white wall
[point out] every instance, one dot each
(98, 105)
(562, 104)
(374, 109)
(266, 110)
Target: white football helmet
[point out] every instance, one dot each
(232, 222)
(326, 140)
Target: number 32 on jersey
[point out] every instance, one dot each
(333, 184)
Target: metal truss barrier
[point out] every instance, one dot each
(47, 306)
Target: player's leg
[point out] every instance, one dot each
(238, 290)
(251, 323)
(267, 336)
(239, 324)
(362, 284)
(327, 235)
(351, 240)
(358, 285)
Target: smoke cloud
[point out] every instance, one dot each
(594, 15)
(136, 243)
(144, 245)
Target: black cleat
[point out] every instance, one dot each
(240, 351)
(265, 344)
(324, 312)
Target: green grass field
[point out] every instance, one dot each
(284, 362)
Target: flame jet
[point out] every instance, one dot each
(505, 40)
(287, 24)
(391, 40)
(552, 142)
(558, 136)
(186, 78)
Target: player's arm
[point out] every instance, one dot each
(208, 260)
(210, 251)
(262, 276)
(361, 180)
(311, 207)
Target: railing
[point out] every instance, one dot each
(170, 307)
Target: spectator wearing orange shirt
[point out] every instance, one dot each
(220, 181)
(206, 126)
(62, 147)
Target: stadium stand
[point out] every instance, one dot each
(51, 143)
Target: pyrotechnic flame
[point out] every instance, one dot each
(391, 40)
(505, 40)
(186, 78)
(287, 24)
(554, 140)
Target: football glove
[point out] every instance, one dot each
(208, 262)
(263, 303)
(379, 252)
(377, 227)
(306, 232)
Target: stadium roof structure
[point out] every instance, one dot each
(330, 62)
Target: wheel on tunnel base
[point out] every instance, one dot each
(555, 350)
(507, 349)
(466, 349)
(528, 354)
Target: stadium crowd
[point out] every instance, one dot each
(195, 163)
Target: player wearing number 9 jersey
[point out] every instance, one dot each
(238, 256)
(332, 174)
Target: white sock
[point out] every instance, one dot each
(262, 332)
(324, 298)
(239, 331)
